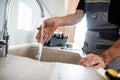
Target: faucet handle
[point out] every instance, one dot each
(2, 42)
(3, 48)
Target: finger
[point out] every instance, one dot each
(45, 38)
(92, 60)
(39, 28)
(96, 62)
(89, 60)
(99, 66)
(49, 37)
(83, 60)
(90, 63)
(38, 36)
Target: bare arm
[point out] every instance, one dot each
(100, 61)
(51, 24)
(72, 18)
(112, 53)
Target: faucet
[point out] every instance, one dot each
(41, 8)
(4, 34)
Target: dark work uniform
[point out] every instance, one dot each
(114, 12)
(114, 18)
(101, 34)
(81, 5)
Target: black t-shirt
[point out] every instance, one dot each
(81, 5)
(114, 12)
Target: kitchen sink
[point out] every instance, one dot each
(48, 54)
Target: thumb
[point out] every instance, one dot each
(39, 28)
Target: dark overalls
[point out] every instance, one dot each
(100, 34)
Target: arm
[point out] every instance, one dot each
(51, 24)
(112, 53)
(71, 19)
(100, 61)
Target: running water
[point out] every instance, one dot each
(41, 45)
(42, 25)
(41, 38)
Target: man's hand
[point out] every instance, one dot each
(92, 60)
(46, 35)
(50, 25)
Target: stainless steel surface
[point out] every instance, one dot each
(41, 8)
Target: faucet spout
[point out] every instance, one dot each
(41, 8)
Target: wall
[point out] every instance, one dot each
(55, 7)
(19, 35)
(72, 4)
(70, 30)
(22, 36)
(2, 5)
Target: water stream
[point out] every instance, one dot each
(41, 38)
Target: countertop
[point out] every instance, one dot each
(22, 68)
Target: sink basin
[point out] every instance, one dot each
(48, 54)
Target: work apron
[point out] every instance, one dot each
(100, 35)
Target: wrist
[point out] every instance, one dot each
(105, 58)
(109, 55)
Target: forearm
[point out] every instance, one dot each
(72, 18)
(112, 53)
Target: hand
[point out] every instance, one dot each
(50, 25)
(46, 35)
(92, 60)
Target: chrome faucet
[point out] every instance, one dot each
(4, 34)
(41, 8)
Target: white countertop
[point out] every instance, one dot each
(22, 68)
